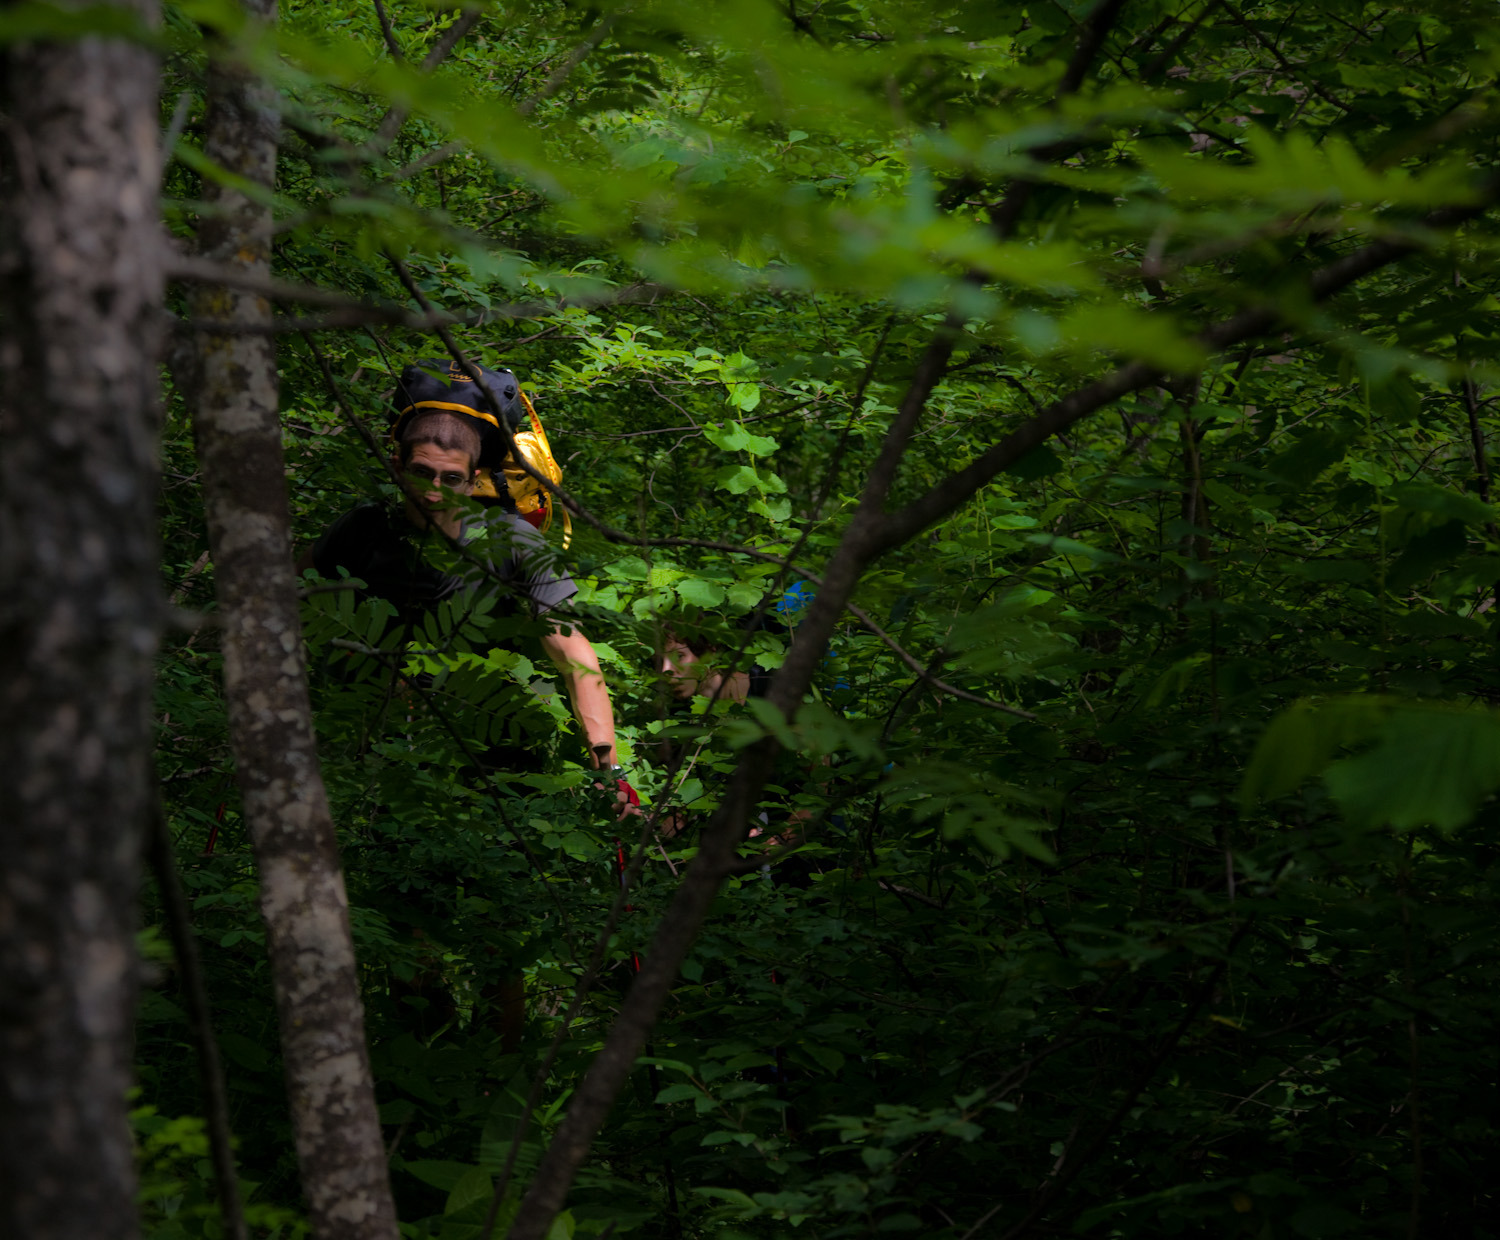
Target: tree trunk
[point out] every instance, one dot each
(302, 893)
(80, 609)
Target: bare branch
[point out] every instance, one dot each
(391, 122)
(191, 268)
(679, 927)
(1309, 81)
(424, 162)
(448, 40)
(561, 74)
(346, 311)
(1005, 213)
(388, 33)
(915, 664)
(1076, 1163)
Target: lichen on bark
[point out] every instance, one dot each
(303, 903)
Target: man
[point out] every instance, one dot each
(435, 548)
(441, 445)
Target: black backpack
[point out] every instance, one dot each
(432, 384)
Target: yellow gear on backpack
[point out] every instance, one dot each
(532, 500)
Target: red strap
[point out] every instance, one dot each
(630, 793)
(213, 836)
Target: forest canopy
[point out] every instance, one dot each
(1072, 417)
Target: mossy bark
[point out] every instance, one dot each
(302, 894)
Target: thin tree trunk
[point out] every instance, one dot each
(80, 609)
(1476, 438)
(302, 893)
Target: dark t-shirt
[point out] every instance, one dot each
(384, 550)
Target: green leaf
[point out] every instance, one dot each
(1432, 766)
(733, 437)
(248, 1054)
(1442, 502)
(826, 1056)
(773, 721)
(737, 479)
(1151, 337)
(440, 1174)
(1302, 740)
(474, 1187)
(700, 593)
(744, 396)
(53, 23)
(1314, 452)
(778, 509)
(1426, 553)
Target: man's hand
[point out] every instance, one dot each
(625, 797)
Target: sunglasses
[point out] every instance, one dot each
(449, 478)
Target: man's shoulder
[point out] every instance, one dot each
(371, 520)
(523, 556)
(360, 530)
(509, 535)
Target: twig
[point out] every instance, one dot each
(585, 985)
(448, 40)
(1322, 284)
(423, 162)
(912, 662)
(1159, 62)
(560, 75)
(1476, 438)
(191, 267)
(391, 122)
(1005, 214)
(388, 33)
(350, 312)
(1309, 82)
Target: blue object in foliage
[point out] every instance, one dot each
(795, 601)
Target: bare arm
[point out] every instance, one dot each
(574, 656)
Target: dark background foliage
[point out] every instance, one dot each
(1071, 972)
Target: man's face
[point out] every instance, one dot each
(427, 473)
